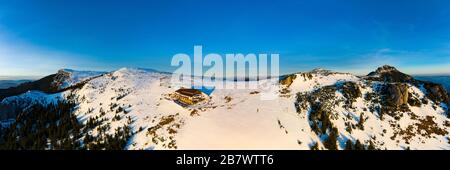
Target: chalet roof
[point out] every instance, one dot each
(189, 92)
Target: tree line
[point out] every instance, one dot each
(55, 127)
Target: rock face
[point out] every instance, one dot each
(287, 81)
(60, 77)
(397, 94)
(436, 92)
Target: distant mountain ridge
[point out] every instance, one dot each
(64, 78)
(4, 84)
(441, 79)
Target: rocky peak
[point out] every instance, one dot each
(386, 69)
(390, 74)
(64, 74)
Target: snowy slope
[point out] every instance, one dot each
(69, 77)
(33, 97)
(245, 121)
(319, 78)
(10, 105)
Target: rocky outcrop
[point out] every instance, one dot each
(60, 78)
(397, 94)
(413, 101)
(325, 96)
(287, 80)
(395, 99)
(436, 92)
(306, 76)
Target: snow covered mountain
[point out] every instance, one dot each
(68, 77)
(41, 91)
(320, 109)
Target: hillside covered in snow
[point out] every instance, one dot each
(321, 109)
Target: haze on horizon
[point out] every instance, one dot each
(40, 37)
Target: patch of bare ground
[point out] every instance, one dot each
(167, 124)
(424, 127)
(227, 99)
(194, 113)
(254, 92)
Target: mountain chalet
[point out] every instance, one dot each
(188, 96)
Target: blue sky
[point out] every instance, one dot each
(39, 37)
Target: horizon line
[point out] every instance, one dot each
(36, 77)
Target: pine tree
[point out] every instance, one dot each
(330, 143)
(315, 146)
(361, 121)
(38, 124)
(359, 146)
(348, 127)
(371, 146)
(448, 111)
(325, 122)
(349, 145)
(315, 127)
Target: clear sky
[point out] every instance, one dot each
(41, 36)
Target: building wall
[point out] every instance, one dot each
(187, 99)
